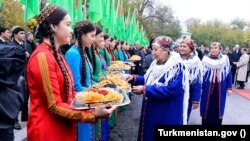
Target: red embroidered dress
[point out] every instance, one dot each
(50, 117)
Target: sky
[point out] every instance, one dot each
(224, 10)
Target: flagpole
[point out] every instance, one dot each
(26, 13)
(85, 10)
(118, 5)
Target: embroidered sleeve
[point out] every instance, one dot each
(50, 91)
(165, 91)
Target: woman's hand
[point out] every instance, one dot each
(128, 78)
(104, 111)
(229, 92)
(138, 89)
(195, 106)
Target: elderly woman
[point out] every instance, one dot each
(217, 80)
(194, 66)
(164, 88)
(242, 68)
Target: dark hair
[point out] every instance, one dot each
(116, 45)
(122, 42)
(106, 37)
(92, 57)
(245, 49)
(93, 49)
(105, 49)
(98, 30)
(82, 28)
(2, 29)
(45, 31)
(150, 43)
(16, 31)
(112, 39)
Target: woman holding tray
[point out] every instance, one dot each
(104, 52)
(81, 63)
(99, 72)
(100, 69)
(164, 88)
(50, 83)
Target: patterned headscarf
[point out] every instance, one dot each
(45, 13)
(189, 42)
(163, 42)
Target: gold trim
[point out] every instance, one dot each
(55, 109)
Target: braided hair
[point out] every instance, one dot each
(82, 28)
(105, 50)
(45, 31)
(94, 48)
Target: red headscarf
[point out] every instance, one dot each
(189, 42)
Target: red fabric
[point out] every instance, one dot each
(111, 54)
(47, 121)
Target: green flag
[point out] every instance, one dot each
(95, 10)
(106, 13)
(78, 12)
(120, 26)
(131, 33)
(68, 5)
(32, 8)
(0, 3)
(112, 19)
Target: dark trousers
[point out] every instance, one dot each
(7, 134)
(241, 83)
(21, 84)
(233, 75)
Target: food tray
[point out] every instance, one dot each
(130, 63)
(83, 106)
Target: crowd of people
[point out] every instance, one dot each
(172, 79)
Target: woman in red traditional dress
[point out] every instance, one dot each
(50, 83)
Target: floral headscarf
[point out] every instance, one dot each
(163, 42)
(189, 42)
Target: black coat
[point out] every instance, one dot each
(11, 100)
(2, 42)
(25, 45)
(200, 55)
(234, 57)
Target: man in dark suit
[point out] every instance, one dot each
(19, 37)
(4, 35)
(235, 56)
(11, 99)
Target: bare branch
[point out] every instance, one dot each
(153, 16)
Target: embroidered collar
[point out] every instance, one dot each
(215, 57)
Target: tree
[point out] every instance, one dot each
(142, 6)
(211, 31)
(238, 23)
(161, 21)
(11, 14)
(191, 22)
